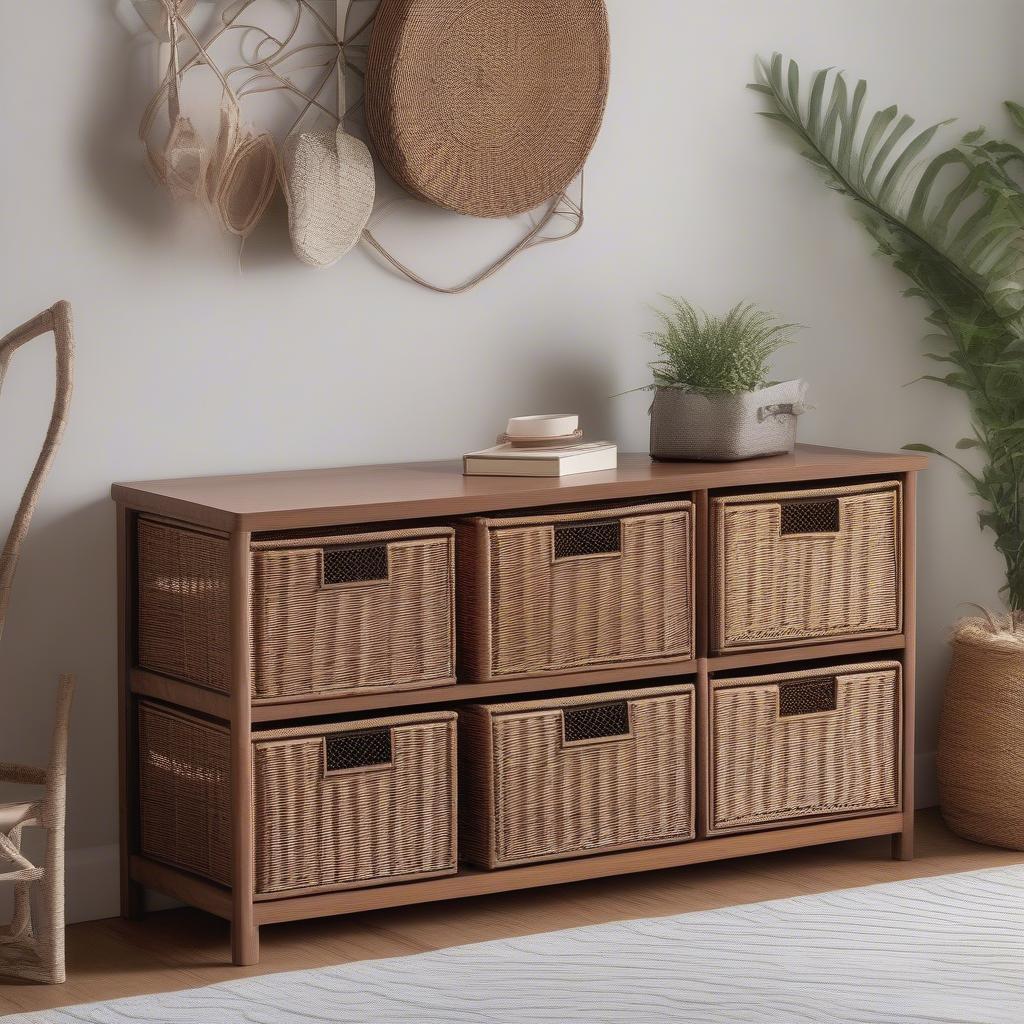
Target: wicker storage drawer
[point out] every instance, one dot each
(575, 589)
(804, 744)
(337, 806)
(556, 778)
(332, 614)
(797, 567)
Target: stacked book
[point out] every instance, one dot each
(549, 445)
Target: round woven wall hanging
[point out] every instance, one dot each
(486, 107)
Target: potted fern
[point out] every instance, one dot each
(713, 400)
(953, 224)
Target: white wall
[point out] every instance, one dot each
(187, 367)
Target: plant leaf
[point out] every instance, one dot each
(1016, 113)
(954, 225)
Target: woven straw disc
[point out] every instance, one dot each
(329, 188)
(486, 107)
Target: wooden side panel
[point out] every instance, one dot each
(127, 745)
(244, 932)
(903, 843)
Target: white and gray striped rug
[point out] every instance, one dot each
(945, 950)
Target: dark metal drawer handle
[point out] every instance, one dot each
(821, 515)
(355, 563)
(572, 540)
(807, 696)
(595, 721)
(346, 751)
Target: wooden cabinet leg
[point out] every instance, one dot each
(132, 904)
(245, 945)
(903, 846)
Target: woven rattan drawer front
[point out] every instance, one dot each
(543, 780)
(332, 813)
(804, 744)
(351, 614)
(798, 567)
(183, 603)
(554, 593)
(337, 806)
(184, 792)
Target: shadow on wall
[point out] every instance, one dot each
(111, 150)
(556, 381)
(62, 619)
(114, 155)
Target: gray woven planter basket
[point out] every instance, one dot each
(686, 425)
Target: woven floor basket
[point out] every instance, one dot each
(331, 615)
(980, 759)
(571, 590)
(555, 778)
(337, 806)
(795, 567)
(804, 744)
(487, 108)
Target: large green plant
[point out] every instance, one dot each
(953, 223)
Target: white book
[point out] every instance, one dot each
(504, 460)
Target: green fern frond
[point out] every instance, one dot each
(715, 355)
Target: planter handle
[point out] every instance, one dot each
(782, 409)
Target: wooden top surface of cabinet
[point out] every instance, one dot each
(362, 494)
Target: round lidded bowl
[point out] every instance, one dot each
(486, 107)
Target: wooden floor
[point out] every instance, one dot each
(185, 948)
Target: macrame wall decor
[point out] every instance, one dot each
(485, 108)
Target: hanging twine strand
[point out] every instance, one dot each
(239, 177)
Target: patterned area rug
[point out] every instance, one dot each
(945, 950)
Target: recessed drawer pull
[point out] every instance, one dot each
(347, 751)
(355, 563)
(820, 515)
(575, 540)
(807, 696)
(595, 721)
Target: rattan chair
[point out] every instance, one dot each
(26, 951)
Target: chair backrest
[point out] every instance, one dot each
(57, 769)
(56, 319)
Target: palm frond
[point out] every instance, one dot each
(953, 223)
(956, 207)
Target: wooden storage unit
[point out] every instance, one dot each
(218, 682)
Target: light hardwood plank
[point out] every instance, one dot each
(184, 948)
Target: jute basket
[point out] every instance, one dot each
(332, 614)
(486, 108)
(980, 759)
(807, 743)
(338, 805)
(802, 566)
(565, 589)
(567, 776)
